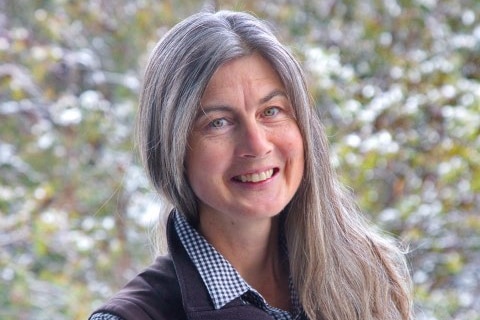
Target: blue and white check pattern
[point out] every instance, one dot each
(223, 282)
(104, 316)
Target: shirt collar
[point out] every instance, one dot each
(222, 280)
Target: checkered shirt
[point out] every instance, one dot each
(223, 282)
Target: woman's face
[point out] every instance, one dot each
(245, 158)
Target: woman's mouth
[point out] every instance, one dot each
(256, 177)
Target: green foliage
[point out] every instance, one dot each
(396, 82)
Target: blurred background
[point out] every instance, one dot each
(397, 83)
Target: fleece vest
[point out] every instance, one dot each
(171, 288)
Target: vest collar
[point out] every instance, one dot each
(195, 298)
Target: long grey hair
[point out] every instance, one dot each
(341, 267)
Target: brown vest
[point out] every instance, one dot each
(171, 288)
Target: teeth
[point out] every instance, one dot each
(256, 177)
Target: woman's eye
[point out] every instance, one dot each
(271, 111)
(218, 123)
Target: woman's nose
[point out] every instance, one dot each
(253, 141)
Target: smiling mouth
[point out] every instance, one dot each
(256, 177)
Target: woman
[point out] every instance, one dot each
(261, 228)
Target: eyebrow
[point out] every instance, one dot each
(272, 95)
(214, 108)
(268, 97)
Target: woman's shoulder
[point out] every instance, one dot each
(153, 292)
(159, 273)
(159, 280)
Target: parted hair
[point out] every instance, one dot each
(341, 266)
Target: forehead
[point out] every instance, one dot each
(250, 72)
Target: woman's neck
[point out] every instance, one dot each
(252, 248)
